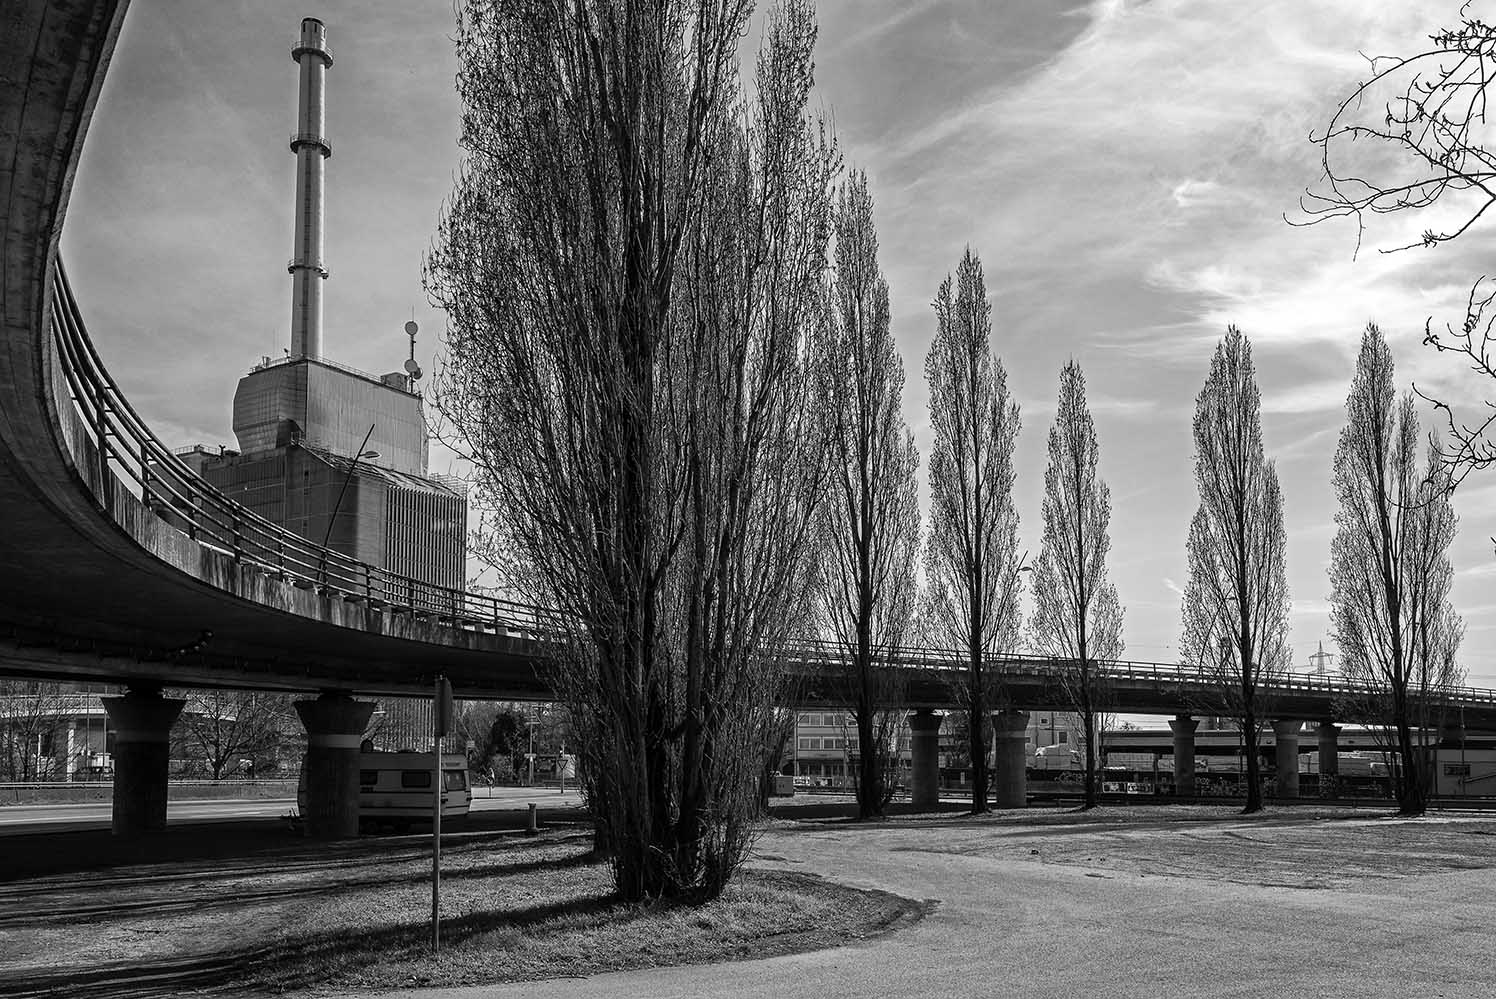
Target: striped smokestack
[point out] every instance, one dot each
(311, 147)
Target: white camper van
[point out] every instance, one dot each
(395, 788)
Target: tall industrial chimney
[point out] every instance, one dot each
(311, 147)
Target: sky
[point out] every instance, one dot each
(1123, 170)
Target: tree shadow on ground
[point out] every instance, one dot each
(292, 964)
(309, 871)
(242, 844)
(1047, 822)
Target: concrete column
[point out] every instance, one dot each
(1329, 751)
(1329, 759)
(1287, 736)
(141, 721)
(924, 748)
(1011, 730)
(334, 727)
(1184, 727)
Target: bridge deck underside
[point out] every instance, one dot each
(119, 594)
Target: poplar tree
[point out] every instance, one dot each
(1389, 561)
(871, 516)
(1077, 617)
(631, 264)
(1236, 603)
(971, 559)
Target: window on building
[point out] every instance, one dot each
(1456, 770)
(1064, 737)
(831, 720)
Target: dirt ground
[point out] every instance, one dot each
(1288, 847)
(222, 910)
(1135, 902)
(207, 913)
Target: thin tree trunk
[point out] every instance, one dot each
(977, 731)
(1254, 762)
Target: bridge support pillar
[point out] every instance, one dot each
(141, 721)
(1183, 727)
(1329, 757)
(1011, 727)
(1286, 734)
(1329, 750)
(924, 749)
(334, 728)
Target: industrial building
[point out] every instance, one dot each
(334, 454)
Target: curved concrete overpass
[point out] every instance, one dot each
(93, 583)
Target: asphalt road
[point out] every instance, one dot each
(18, 820)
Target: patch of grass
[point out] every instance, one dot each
(356, 915)
(559, 920)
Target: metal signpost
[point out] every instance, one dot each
(441, 719)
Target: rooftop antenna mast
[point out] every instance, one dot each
(411, 367)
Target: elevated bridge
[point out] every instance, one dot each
(119, 564)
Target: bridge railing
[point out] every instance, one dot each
(1162, 675)
(123, 449)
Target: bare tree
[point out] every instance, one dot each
(871, 518)
(1077, 616)
(1389, 561)
(1413, 134)
(493, 735)
(971, 567)
(34, 718)
(779, 734)
(1236, 603)
(630, 263)
(224, 727)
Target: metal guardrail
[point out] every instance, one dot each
(275, 362)
(126, 449)
(1160, 674)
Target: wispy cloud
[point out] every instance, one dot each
(880, 23)
(1313, 397)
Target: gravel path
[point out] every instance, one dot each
(1125, 906)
